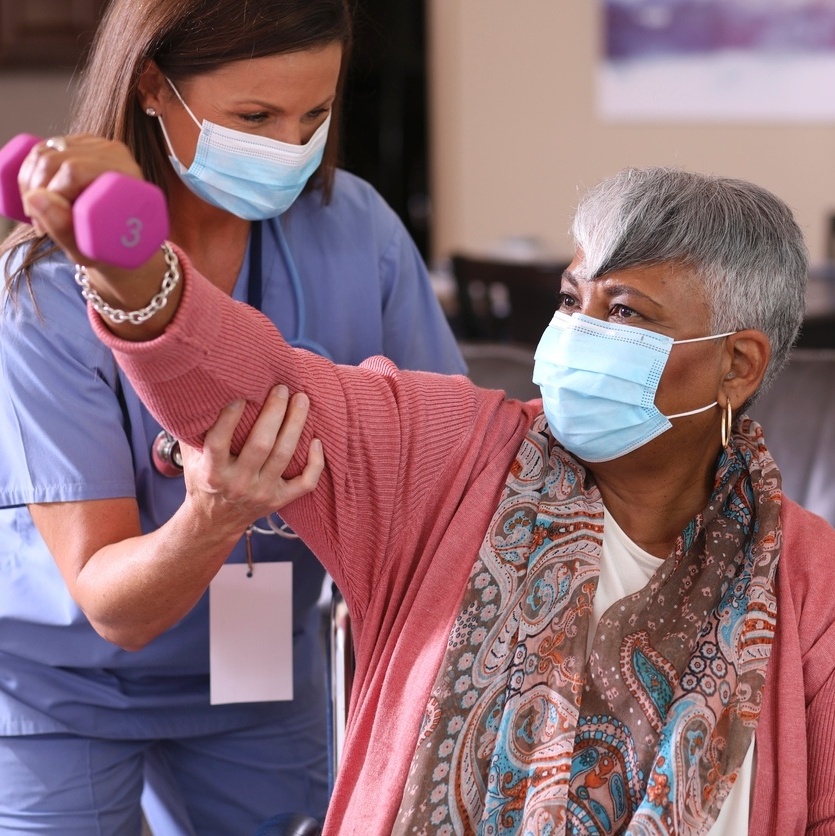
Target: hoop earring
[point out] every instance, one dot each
(727, 422)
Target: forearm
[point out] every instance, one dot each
(134, 590)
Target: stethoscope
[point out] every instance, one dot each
(165, 450)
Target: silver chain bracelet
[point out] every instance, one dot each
(169, 281)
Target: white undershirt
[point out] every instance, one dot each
(626, 568)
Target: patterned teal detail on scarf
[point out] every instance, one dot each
(603, 769)
(650, 679)
(524, 734)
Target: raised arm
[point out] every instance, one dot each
(388, 435)
(394, 441)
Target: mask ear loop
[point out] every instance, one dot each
(162, 124)
(182, 101)
(702, 339)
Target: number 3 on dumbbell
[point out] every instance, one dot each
(118, 219)
(134, 234)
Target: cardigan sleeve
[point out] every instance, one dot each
(820, 731)
(807, 612)
(395, 441)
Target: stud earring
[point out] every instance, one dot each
(150, 111)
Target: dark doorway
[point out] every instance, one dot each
(385, 124)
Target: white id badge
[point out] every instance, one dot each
(251, 633)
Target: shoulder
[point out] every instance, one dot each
(352, 200)
(806, 575)
(52, 295)
(808, 539)
(348, 188)
(356, 227)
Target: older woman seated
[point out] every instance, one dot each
(594, 613)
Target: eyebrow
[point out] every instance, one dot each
(610, 290)
(263, 105)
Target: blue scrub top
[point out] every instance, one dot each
(72, 428)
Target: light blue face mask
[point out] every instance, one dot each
(250, 176)
(598, 381)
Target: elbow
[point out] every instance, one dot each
(132, 638)
(131, 647)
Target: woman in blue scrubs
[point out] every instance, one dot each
(233, 109)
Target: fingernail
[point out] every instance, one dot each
(282, 391)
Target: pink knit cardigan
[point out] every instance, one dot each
(416, 464)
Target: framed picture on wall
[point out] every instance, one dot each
(46, 34)
(717, 60)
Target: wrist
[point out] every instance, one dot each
(170, 280)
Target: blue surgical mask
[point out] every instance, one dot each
(598, 381)
(250, 176)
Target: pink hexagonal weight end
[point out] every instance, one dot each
(12, 155)
(120, 220)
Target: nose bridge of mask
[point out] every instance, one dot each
(578, 344)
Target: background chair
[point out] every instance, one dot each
(289, 824)
(504, 301)
(504, 366)
(798, 418)
(818, 331)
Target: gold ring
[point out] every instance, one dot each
(56, 143)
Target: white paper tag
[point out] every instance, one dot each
(251, 633)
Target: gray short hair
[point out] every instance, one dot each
(738, 238)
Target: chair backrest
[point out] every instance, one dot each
(818, 331)
(505, 301)
(798, 418)
(504, 366)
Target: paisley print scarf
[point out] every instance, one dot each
(523, 734)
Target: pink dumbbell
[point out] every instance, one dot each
(118, 219)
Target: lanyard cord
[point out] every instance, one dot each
(254, 290)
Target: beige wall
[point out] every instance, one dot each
(32, 103)
(35, 103)
(514, 132)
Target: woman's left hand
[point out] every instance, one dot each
(231, 492)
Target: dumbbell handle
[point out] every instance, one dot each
(118, 219)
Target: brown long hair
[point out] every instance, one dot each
(186, 38)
